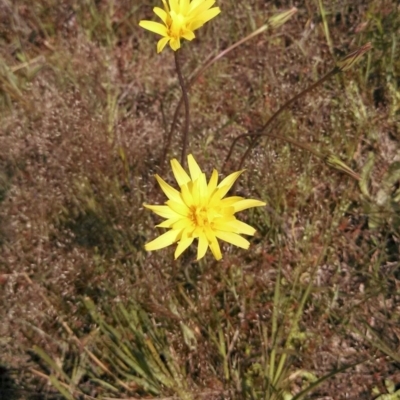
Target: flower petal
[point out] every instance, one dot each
(179, 207)
(162, 14)
(169, 223)
(183, 244)
(228, 182)
(174, 6)
(233, 238)
(199, 6)
(200, 20)
(188, 35)
(166, 239)
(224, 187)
(155, 27)
(169, 191)
(216, 250)
(184, 223)
(162, 211)
(180, 174)
(194, 168)
(213, 243)
(175, 43)
(212, 184)
(166, 8)
(202, 247)
(162, 43)
(202, 188)
(229, 201)
(234, 225)
(184, 7)
(247, 203)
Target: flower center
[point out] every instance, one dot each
(200, 216)
(178, 22)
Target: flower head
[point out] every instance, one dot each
(180, 19)
(200, 211)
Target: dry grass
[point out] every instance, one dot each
(86, 104)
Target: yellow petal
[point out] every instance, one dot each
(184, 223)
(215, 199)
(184, 7)
(188, 35)
(201, 19)
(233, 238)
(179, 207)
(247, 203)
(162, 211)
(162, 43)
(166, 239)
(228, 182)
(202, 188)
(166, 8)
(187, 196)
(155, 27)
(243, 228)
(215, 249)
(180, 174)
(174, 6)
(169, 191)
(175, 43)
(169, 223)
(198, 231)
(182, 246)
(199, 191)
(212, 184)
(199, 6)
(196, 192)
(224, 187)
(213, 243)
(194, 168)
(234, 225)
(202, 247)
(229, 201)
(162, 14)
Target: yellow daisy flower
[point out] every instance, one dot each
(180, 19)
(199, 211)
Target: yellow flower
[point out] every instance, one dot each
(180, 19)
(200, 211)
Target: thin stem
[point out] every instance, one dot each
(187, 115)
(197, 75)
(260, 132)
(170, 133)
(194, 79)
